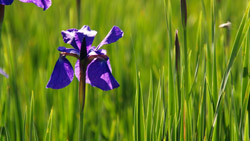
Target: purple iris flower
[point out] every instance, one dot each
(45, 4)
(98, 68)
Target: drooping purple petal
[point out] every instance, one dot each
(69, 50)
(6, 2)
(114, 34)
(3, 73)
(99, 75)
(88, 34)
(69, 37)
(62, 74)
(92, 52)
(45, 4)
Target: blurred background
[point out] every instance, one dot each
(28, 53)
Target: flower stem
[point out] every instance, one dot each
(82, 84)
(78, 8)
(1, 19)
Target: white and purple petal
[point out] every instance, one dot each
(88, 34)
(62, 74)
(69, 37)
(45, 4)
(75, 37)
(69, 50)
(6, 2)
(114, 34)
(77, 69)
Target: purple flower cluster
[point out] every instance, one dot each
(98, 69)
(45, 4)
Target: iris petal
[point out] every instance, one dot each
(6, 2)
(69, 37)
(77, 69)
(45, 4)
(75, 37)
(62, 74)
(88, 34)
(99, 75)
(114, 34)
(69, 50)
(92, 52)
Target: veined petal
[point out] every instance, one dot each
(88, 34)
(62, 74)
(69, 50)
(92, 52)
(45, 4)
(77, 69)
(97, 52)
(6, 2)
(99, 75)
(75, 37)
(114, 34)
(69, 37)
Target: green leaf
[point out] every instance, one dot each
(150, 109)
(139, 112)
(48, 133)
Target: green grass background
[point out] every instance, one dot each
(28, 53)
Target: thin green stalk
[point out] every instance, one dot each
(171, 100)
(214, 79)
(178, 75)
(186, 87)
(78, 8)
(1, 18)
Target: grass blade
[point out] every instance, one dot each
(150, 109)
(139, 112)
(244, 25)
(49, 127)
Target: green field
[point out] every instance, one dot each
(154, 100)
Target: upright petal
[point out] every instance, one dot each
(114, 34)
(88, 34)
(99, 75)
(45, 4)
(6, 2)
(69, 37)
(75, 37)
(62, 74)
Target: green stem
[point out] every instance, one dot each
(186, 87)
(78, 8)
(82, 84)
